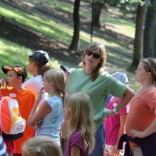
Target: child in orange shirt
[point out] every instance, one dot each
(16, 75)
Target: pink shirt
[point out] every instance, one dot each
(112, 123)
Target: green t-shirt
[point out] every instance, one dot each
(98, 91)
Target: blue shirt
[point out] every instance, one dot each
(51, 123)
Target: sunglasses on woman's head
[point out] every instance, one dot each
(95, 55)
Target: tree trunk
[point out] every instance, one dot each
(96, 14)
(150, 31)
(138, 41)
(75, 40)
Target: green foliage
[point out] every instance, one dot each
(125, 6)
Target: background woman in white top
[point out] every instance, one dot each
(37, 66)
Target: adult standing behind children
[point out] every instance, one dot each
(50, 112)
(115, 124)
(16, 75)
(141, 120)
(97, 84)
(37, 66)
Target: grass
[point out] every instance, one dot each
(12, 53)
(128, 26)
(53, 28)
(62, 32)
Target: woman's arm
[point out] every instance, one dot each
(127, 96)
(122, 125)
(121, 131)
(75, 151)
(149, 130)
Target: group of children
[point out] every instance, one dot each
(45, 115)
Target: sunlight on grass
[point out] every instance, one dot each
(12, 53)
(128, 26)
(50, 27)
(60, 31)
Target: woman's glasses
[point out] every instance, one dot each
(95, 55)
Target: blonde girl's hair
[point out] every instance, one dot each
(103, 56)
(150, 66)
(41, 68)
(81, 117)
(41, 146)
(58, 78)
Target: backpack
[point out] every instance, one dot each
(11, 122)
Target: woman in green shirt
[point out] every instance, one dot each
(98, 84)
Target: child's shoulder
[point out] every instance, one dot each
(27, 92)
(76, 134)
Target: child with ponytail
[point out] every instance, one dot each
(49, 114)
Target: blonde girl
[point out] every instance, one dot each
(50, 112)
(37, 66)
(78, 110)
(41, 146)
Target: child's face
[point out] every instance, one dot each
(47, 85)
(140, 73)
(66, 113)
(30, 66)
(13, 79)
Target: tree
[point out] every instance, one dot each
(96, 12)
(138, 41)
(75, 40)
(150, 31)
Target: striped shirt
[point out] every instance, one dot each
(3, 151)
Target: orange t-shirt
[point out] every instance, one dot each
(26, 100)
(141, 113)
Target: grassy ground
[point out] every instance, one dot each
(12, 53)
(63, 32)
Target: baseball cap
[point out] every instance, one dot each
(17, 68)
(40, 56)
(64, 68)
(122, 77)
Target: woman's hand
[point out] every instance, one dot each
(134, 133)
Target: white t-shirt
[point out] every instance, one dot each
(35, 84)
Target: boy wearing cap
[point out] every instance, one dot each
(37, 66)
(114, 125)
(16, 75)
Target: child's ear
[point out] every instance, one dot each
(52, 85)
(149, 74)
(20, 78)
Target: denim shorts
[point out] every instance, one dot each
(99, 142)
